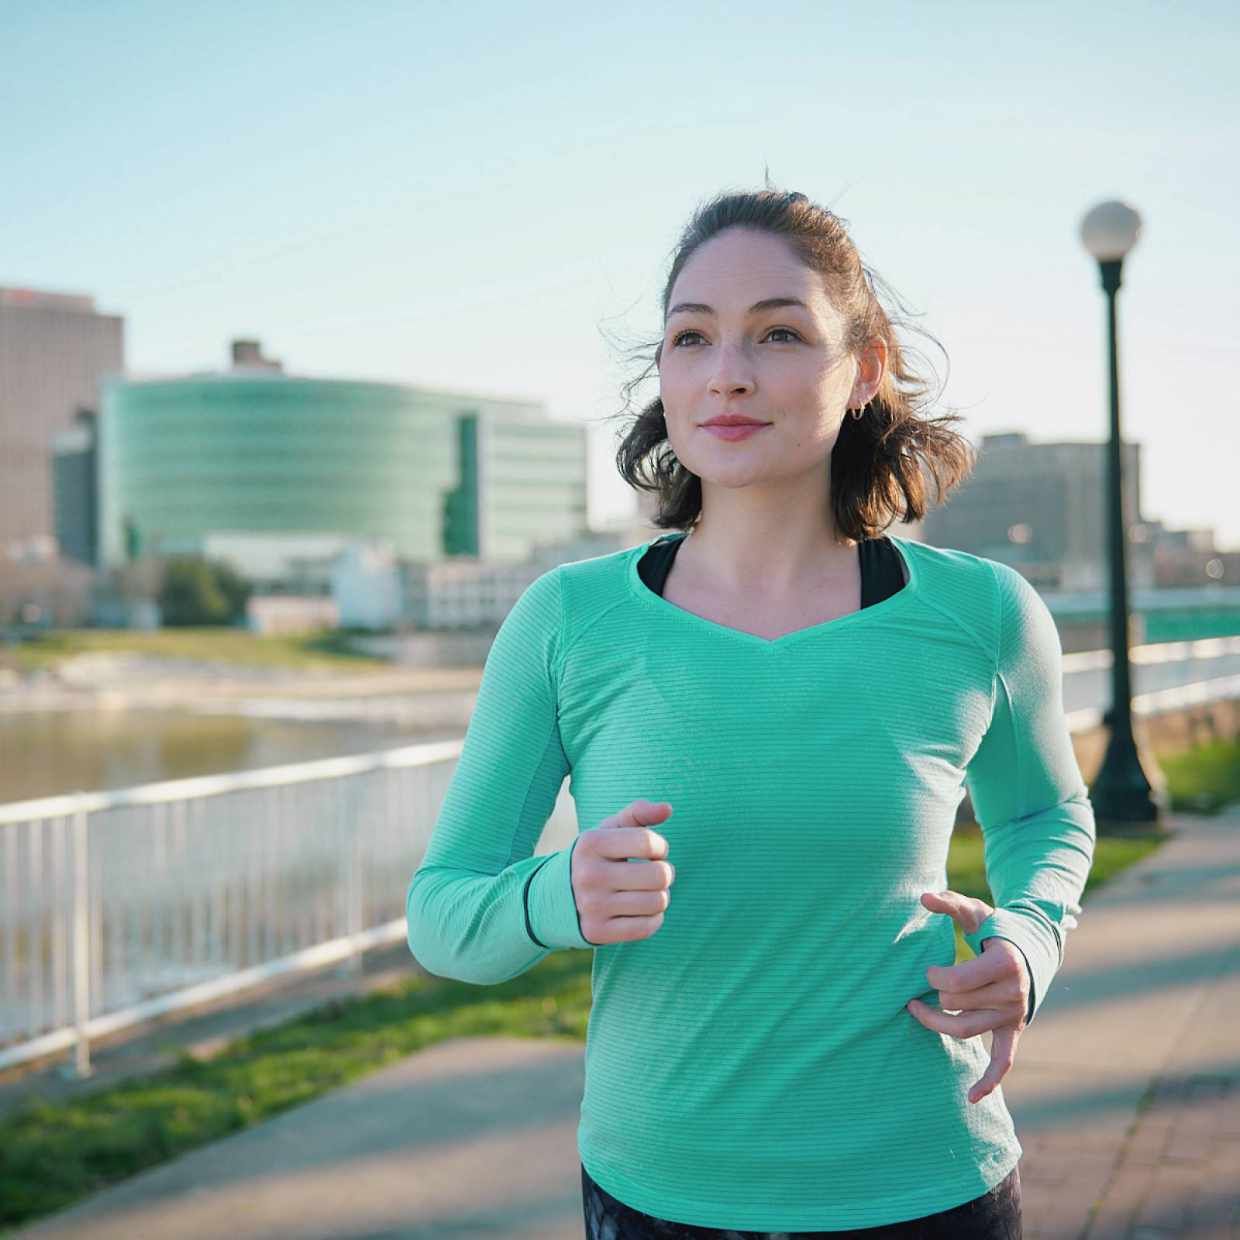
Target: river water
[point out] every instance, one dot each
(46, 753)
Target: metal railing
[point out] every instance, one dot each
(118, 907)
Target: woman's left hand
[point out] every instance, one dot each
(991, 991)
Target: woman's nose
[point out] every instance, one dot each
(732, 371)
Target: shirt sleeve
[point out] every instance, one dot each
(1027, 791)
(481, 907)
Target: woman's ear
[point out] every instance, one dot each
(871, 367)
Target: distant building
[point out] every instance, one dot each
(75, 491)
(55, 348)
(373, 588)
(366, 587)
(288, 468)
(290, 613)
(1191, 557)
(1041, 507)
(248, 354)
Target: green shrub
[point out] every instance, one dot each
(198, 591)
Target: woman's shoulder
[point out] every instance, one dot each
(597, 574)
(965, 588)
(948, 565)
(586, 588)
(1001, 581)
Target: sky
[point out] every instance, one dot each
(485, 197)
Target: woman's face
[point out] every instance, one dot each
(783, 365)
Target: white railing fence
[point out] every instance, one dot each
(118, 907)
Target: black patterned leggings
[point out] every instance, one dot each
(994, 1215)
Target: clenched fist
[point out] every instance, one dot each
(618, 902)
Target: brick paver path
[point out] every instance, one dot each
(1127, 1099)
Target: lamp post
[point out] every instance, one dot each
(1120, 792)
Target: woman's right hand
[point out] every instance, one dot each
(618, 902)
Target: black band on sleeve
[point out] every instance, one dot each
(525, 901)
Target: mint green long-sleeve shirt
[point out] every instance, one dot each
(752, 1063)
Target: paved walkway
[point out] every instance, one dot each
(1126, 1089)
(1125, 1093)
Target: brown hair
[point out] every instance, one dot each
(875, 463)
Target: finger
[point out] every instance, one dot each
(1004, 993)
(625, 834)
(639, 875)
(1002, 965)
(967, 911)
(1002, 1056)
(638, 903)
(638, 813)
(629, 929)
(968, 974)
(964, 1025)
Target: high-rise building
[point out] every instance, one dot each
(1042, 508)
(55, 349)
(75, 490)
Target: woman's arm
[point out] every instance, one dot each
(1027, 791)
(481, 907)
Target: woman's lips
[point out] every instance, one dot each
(736, 432)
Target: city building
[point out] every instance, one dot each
(280, 473)
(469, 594)
(1042, 508)
(366, 587)
(446, 614)
(290, 613)
(248, 355)
(1191, 557)
(55, 350)
(75, 491)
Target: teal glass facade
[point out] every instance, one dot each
(434, 473)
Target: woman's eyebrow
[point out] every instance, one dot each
(769, 303)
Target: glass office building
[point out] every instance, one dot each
(259, 452)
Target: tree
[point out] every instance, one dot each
(234, 587)
(200, 591)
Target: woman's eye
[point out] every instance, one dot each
(680, 336)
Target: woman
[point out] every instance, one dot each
(773, 716)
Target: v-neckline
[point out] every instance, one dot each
(674, 611)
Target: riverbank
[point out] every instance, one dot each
(118, 679)
(321, 675)
(212, 645)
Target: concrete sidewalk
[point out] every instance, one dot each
(1126, 1089)
(1125, 1093)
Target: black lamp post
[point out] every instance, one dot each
(1120, 792)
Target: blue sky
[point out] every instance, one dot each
(485, 196)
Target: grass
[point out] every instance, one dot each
(966, 872)
(326, 648)
(52, 1155)
(1205, 778)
